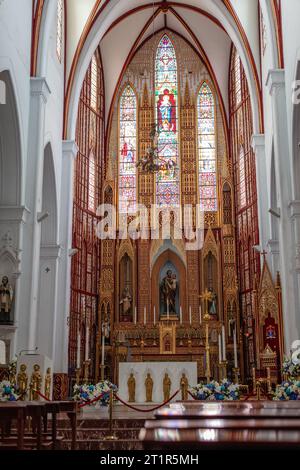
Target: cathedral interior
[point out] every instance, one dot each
(149, 189)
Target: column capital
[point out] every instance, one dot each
(275, 79)
(50, 251)
(69, 148)
(14, 214)
(294, 209)
(258, 142)
(40, 87)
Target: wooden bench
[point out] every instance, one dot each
(231, 425)
(39, 437)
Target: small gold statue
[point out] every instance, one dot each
(35, 382)
(184, 384)
(167, 386)
(22, 381)
(48, 380)
(131, 388)
(149, 387)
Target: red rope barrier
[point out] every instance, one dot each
(90, 402)
(41, 395)
(143, 410)
(81, 405)
(191, 395)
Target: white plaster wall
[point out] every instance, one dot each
(291, 46)
(157, 371)
(15, 47)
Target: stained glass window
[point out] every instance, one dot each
(166, 105)
(59, 28)
(127, 151)
(237, 78)
(242, 178)
(94, 83)
(207, 149)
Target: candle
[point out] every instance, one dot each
(78, 351)
(154, 315)
(144, 315)
(200, 314)
(220, 348)
(223, 343)
(180, 314)
(103, 347)
(168, 313)
(235, 348)
(87, 341)
(135, 315)
(190, 311)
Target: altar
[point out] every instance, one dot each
(157, 371)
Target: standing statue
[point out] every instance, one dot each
(212, 303)
(35, 382)
(22, 381)
(184, 384)
(167, 386)
(131, 388)
(168, 290)
(149, 387)
(126, 304)
(6, 297)
(48, 380)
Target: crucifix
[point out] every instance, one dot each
(206, 297)
(264, 253)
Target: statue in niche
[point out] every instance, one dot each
(22, 381)
(212, 303)
(168, 290)
(149, 387)
(167, 386)
(184, 385)
(35, 382)
(126, 302)
(6, 298)
(131, 388)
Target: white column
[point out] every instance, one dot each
(32, 231)
(69, 153)
(290, 291)
(47, 305)
(258, 145)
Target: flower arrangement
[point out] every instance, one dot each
(215, 391)
(288, 390)
(7, 391)
(291, 366)
(89, 392)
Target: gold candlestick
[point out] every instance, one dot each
(236, 375)
(223, 370)
(102, 367)
(86, 366)
(78, 372)
(207, 351)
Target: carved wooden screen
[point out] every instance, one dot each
(87, 191)
(241, 130)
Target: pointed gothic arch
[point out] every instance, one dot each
(10, 146)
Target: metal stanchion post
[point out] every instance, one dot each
(111, 436)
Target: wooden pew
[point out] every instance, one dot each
(38, 411)
(13, 411)
(229, 425)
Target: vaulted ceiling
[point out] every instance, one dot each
(127, 23)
